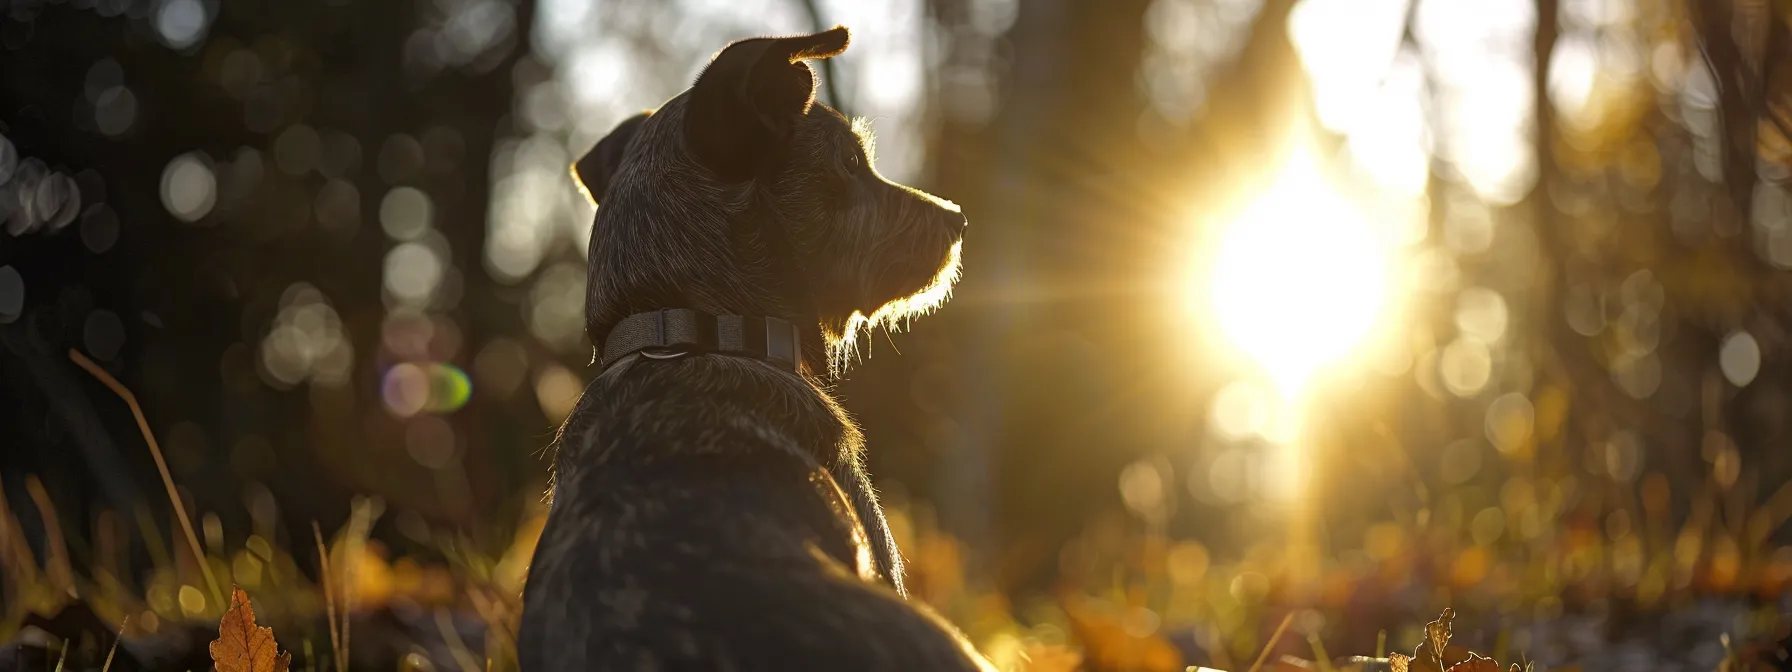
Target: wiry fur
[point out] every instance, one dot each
(712, 512)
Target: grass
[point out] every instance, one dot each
(1136, 599)
(1125, 624)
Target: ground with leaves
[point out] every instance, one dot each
(381, 612)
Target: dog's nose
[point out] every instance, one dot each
(947, 213)
(954, 221)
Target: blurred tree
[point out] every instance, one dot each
(278, 130)
(1071, 196)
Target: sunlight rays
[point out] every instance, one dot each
(1299, 279)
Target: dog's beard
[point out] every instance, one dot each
(896, 314)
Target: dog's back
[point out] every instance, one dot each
(695, 526)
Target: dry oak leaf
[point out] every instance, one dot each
(1437, 635)
(1476, 663)
(1433, 655)
(243, 646)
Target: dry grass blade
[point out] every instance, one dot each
(16, 560)
(180, 510)
(1320, 657)
(362, 513)
(1273, 639)
(57, 570)
(323, 568)
(1221, 658)
(19, 577)
(243, 646)
(115, 640)
(498, 624)
(456, 645)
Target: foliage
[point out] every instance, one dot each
(242, 646)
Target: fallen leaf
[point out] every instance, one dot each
(1430, 654)
(1111, 646)
(1437, 633)
(1476, 663)
(243, 646)
(1455, 653)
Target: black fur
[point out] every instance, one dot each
(712, 512)
(593, 172)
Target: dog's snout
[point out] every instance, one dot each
(953, 220)
(944, 204)
(946, 212)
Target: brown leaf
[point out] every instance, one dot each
(1110, 645)
(1429, 656)
(1476, 663)
(1398, 662)
(1437, 633)
(243, 646)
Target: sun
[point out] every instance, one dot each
(1299, 279)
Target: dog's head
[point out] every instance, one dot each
(744, 196)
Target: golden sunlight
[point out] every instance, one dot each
(1299, 278)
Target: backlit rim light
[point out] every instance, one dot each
(1299, 279)
(894, 315)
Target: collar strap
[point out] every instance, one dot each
(670, 333)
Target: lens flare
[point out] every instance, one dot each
(449, 388)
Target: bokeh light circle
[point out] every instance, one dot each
(99, 228)
(189, 188)
(449, 388)
(412, 272)
(181, 23)
(406, 213)
(1740, 358)
(405, 389)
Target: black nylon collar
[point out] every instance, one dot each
(670, 333)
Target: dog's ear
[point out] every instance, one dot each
(594, 171)
(743, 106)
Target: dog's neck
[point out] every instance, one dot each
(659, 403)
(672, 333)
(760, 278)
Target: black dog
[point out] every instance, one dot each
(710, 507)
